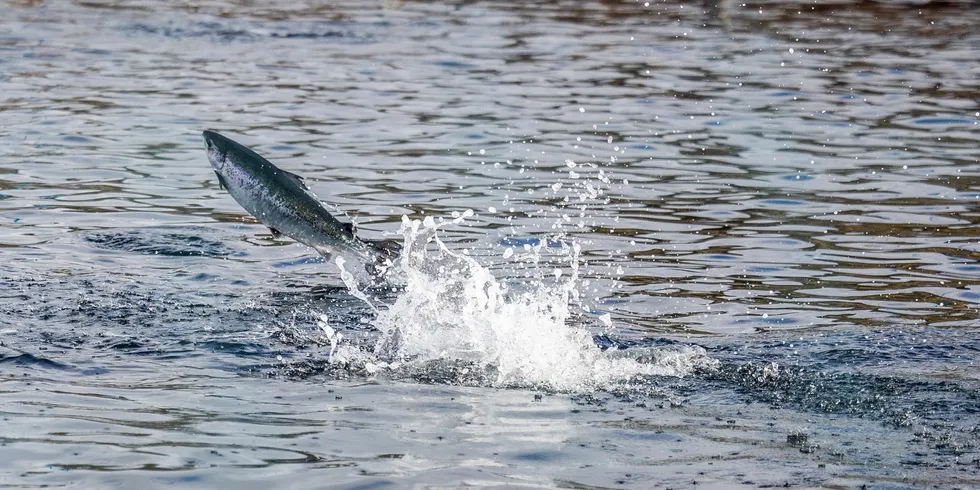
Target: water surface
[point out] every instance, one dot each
(775, 206)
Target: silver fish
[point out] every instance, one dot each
(283, 202)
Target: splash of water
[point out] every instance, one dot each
(453, 309)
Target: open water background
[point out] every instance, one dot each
(792, 187)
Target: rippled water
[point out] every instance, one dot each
(775, 204)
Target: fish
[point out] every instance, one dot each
(282, 201)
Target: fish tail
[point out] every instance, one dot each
(387, 249)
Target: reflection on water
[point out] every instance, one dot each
(779, 183)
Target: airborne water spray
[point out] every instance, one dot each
(453, 310)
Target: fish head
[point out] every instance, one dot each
(217, 147)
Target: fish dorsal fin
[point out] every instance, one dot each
(297, 179)
(221, 181)
(348, 227)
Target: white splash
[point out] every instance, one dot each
(454, 309)
(330, 334)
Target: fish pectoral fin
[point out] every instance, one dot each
(221, 181)
(275, 233)
(297, 179)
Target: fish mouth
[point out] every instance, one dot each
(217, 148)
(214, 140)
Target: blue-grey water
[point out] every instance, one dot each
(776, 207)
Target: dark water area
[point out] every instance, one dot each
(775, 206)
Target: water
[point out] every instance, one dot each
(709, 245)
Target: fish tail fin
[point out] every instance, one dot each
(387, 251)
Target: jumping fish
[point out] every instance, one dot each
(283, 202)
